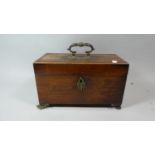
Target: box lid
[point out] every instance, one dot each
(66, 58)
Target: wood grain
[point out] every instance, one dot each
(57, 80)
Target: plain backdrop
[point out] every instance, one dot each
(18, 96)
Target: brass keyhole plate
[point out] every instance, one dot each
(81, 84)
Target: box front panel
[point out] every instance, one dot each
(98, 85)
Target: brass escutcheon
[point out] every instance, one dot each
(81, 84)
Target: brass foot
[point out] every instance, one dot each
(118, 107)
(42, 106)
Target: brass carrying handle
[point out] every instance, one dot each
(81, 44)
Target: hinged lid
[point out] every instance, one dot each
(64, 58)
(73, 58)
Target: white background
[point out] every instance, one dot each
(18, 91)
(69, 17)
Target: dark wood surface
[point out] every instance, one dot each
(65, 58)
(57, 76)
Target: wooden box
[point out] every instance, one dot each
(65, 79)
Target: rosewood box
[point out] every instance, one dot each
(70, 79)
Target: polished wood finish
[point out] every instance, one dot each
(57, 75)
